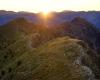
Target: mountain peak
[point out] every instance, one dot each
(19, 20)
(81, 22)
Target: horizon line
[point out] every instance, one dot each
(52, 11)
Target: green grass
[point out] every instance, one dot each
(51, 61)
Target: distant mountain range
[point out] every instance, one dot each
(65, 48)
(58, 17)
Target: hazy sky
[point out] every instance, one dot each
(49, 5)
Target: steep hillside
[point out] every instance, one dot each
(89, 33)
(38, 33)
(81, 29)
(13, 32)
(59, 59)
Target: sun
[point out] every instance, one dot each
(45, 12)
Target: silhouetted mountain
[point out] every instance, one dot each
(58, 17)
(91, 16)
(7, 16)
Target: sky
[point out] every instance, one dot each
(49, 5)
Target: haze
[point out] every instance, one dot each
(49, 5)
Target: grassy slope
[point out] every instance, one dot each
(51, 61)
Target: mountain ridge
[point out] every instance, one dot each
(59, 17)
(64, 51)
